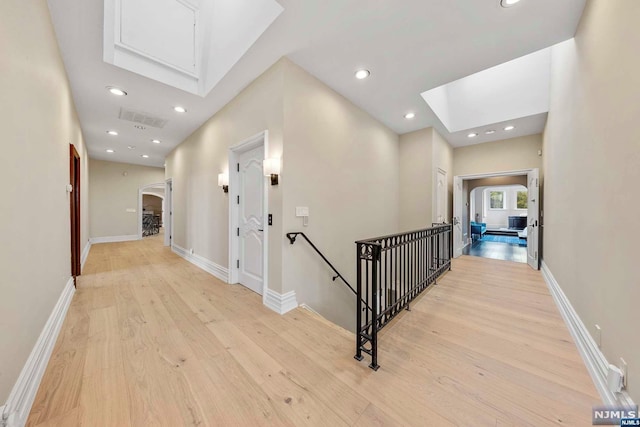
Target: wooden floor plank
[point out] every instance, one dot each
(150, 339)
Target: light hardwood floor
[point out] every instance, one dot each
(150, 339)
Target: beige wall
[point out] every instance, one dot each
(416, 179)
(114, 189)
(38, 121)
(497, 180)
(200, 207)
(592, 169)
(443, 159)
(499, 156)
(422, 153)
(343, 165)
(336, 160)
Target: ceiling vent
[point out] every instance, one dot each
(143, 118)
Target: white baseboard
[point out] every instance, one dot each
(306, 307)
(280, 303)
(595, 361)
(24, 391)
(209, 266)
(114, 239)
(85, 254)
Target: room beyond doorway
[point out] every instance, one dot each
(498, 220)
(497, 216)
(151, 208)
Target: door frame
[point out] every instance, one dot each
(436, 201)
(260, 139)
(524, 172)
(74, 211)
(141, 192)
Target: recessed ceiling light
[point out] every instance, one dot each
(110, 151)
(362, 74)
(490, 131)
(131, 147)
(116, 91)
(146, 156)
(472, 135)
(179, 109)
(409, 116)
(508, 3)
(112, 132)
(510, 127)
(155, 141)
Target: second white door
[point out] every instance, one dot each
(251, 219)
(441, 197)
(458, 244)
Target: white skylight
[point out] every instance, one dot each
(515, 89)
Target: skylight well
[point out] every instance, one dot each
(189, 45)
(509, 91)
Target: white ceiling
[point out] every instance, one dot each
(410, 47)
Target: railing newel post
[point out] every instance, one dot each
(375, 258)
(359, 310)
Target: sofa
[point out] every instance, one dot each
(478, 229)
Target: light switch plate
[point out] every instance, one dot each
(302, 211)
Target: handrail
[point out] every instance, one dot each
(391, 271)
(292, 240)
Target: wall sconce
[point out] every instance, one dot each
(271, 167)
(223, 181)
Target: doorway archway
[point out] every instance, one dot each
(156, 189)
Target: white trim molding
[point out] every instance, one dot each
(305, 306)
(85, 254)
(280, 303)
(18, 406)
(114, 239)
(595, 361)
(209, 266)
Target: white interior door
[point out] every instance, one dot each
(251, 219)
(441, 196)
(533, 213)
(457, 217)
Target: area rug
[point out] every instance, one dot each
(512, 240)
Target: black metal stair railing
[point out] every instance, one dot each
(292, 240)
(392, 271)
